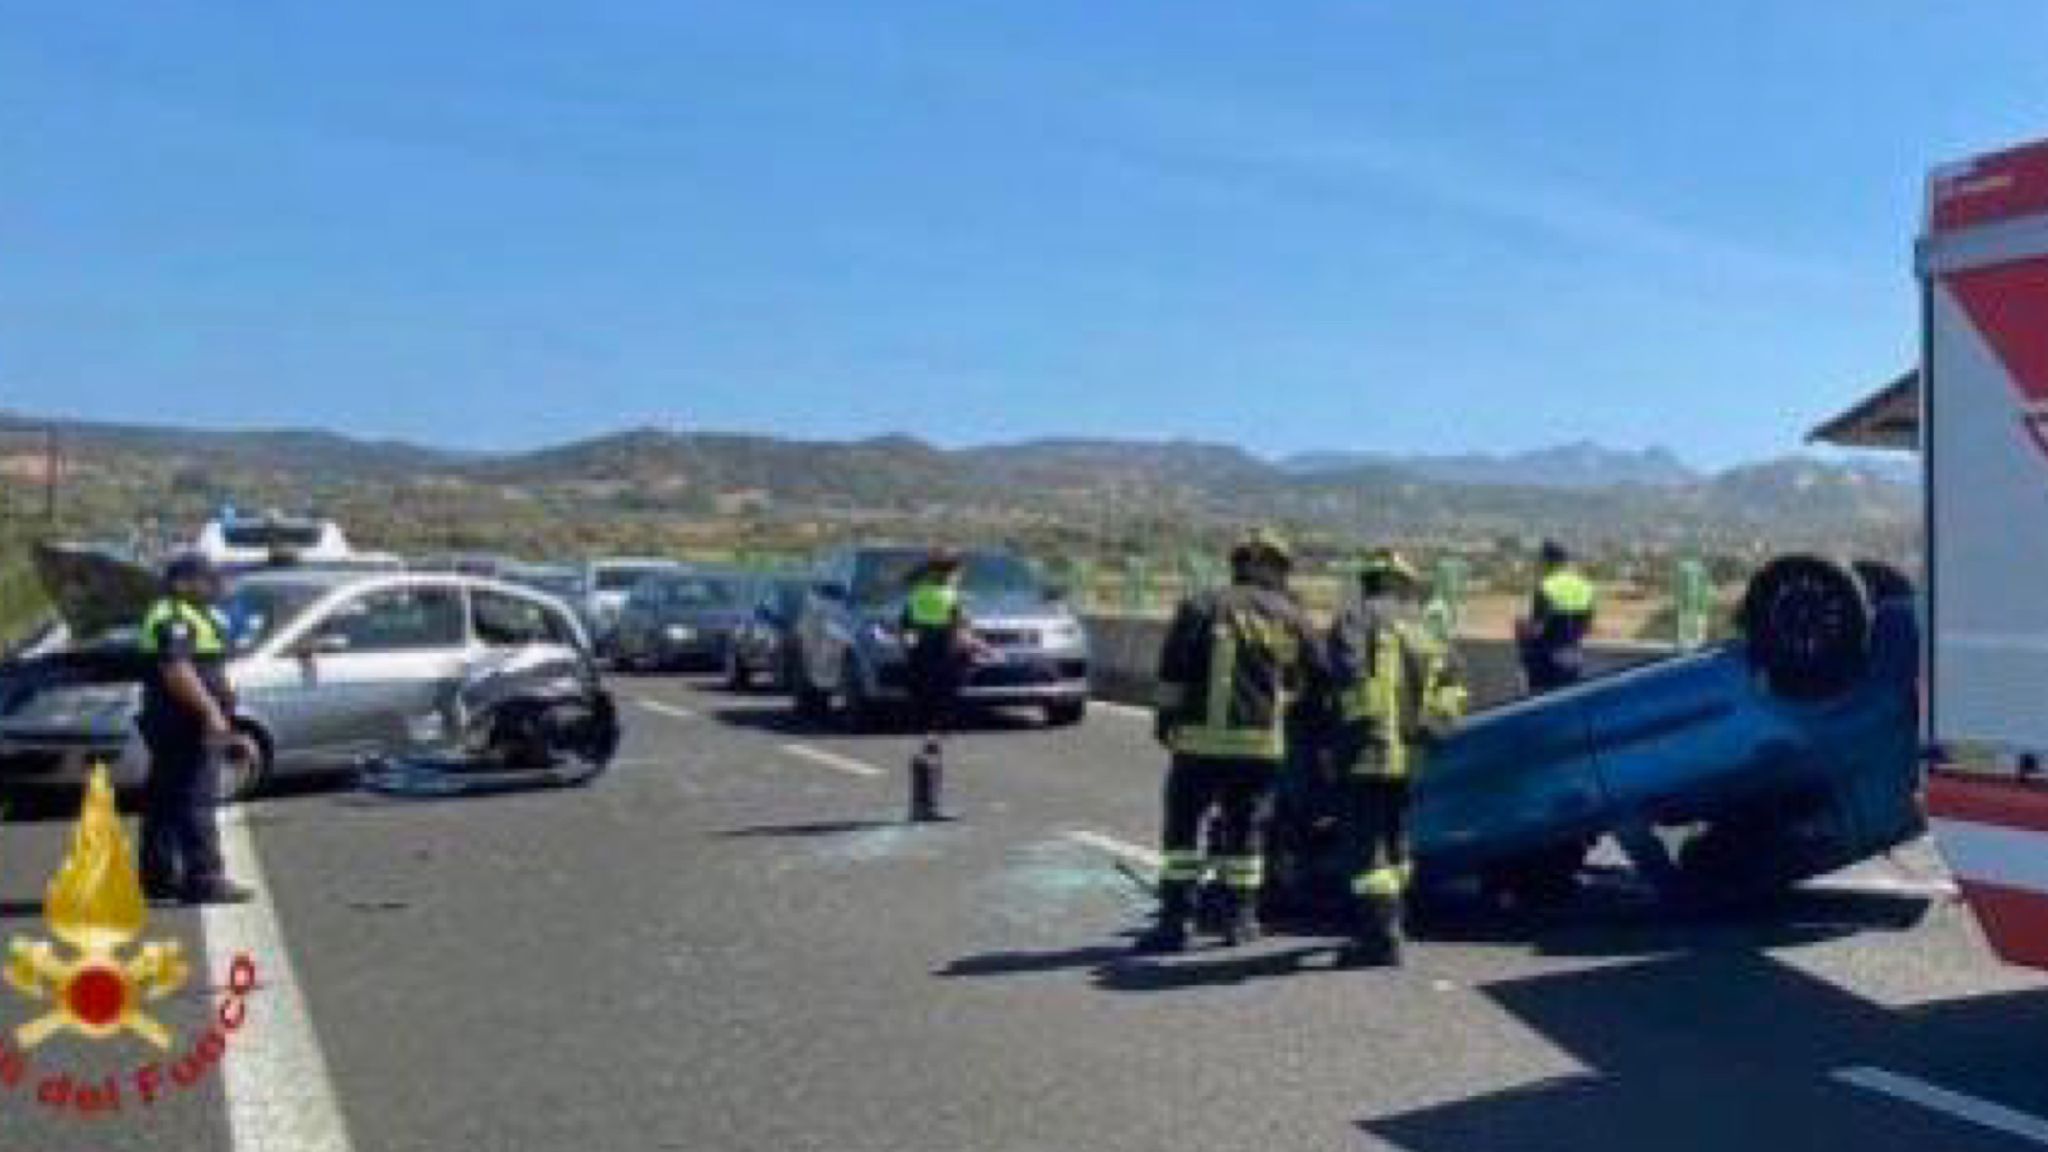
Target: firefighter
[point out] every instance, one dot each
(1232, 662)
(1560, 617)
(1398, 683)
(938, 643)
(187, 724)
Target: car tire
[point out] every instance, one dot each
(1065, 713)
(1807, 625)
(737, 678)
(810, 703)
(857, 713)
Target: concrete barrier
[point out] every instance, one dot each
(1126, 659)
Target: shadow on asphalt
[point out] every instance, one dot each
(1727, 1049)
(1614, 923)
(807, 830)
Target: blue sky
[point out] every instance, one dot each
(1410, 226)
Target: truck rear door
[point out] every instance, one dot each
(1983, 264)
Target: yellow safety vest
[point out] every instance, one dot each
(933, 604)
(1380, 698)
(1568, 592)
(1217, 735)
(206, 633)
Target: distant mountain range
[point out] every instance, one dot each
(1584, 491)
(1580, 465)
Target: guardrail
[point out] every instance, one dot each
(1125, 651)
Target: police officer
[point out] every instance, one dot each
(1398, 684)
(1232, 662)
(939, 643)
(186, 722)
(1560, 616)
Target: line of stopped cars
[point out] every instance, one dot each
(476, 673)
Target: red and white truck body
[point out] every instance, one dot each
(1983, 266)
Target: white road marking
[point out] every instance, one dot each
(672, 711)
(1927, 889)
(832, 760)
(1121, 849)
(279, 1095)
(1956, 1105)
(1130, 711)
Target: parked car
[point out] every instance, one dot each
(764, 647)
(850, 649)
(680, 620)
(329, 667)
(1726, 773)
(607, 583)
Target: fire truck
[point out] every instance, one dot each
(1977, 409)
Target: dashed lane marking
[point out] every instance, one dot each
(1121, 849)
(672, 711)
(279, 1094)
(832, 760)
(1948, 1102)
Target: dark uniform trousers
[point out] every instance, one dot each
(1378, 806)
(1236, 789)
(180, 841)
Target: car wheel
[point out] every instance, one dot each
(736, 676)
(242, 780)
(1807, 624)
(810, 703)
(857, 712)
(1066, 713)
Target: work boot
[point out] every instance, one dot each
(927, 781)
(161, 889)
(1240, 918)
(217, 891)
(1170, 932)
(1378, 940)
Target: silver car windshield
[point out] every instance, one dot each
(883, 577)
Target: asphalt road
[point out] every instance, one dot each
(732, 943)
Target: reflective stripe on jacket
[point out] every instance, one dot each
(207, 639)
(1396, 682)
(1232, 662)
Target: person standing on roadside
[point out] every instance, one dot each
(187, 723)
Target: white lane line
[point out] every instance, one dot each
(672, 711)
(1926, 889)
(279, 1095)
(1121, 849)
(832, 760)
(1956, 1105)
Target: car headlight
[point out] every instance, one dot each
(680, 632)
(1063, 634)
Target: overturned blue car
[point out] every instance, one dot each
(1724, 774)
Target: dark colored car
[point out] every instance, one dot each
(681, 620)
(764, 647)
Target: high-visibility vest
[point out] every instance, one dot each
(1568, 592)
(933, 604)
(1381, 699)
(1234, 634)
(207, 639)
